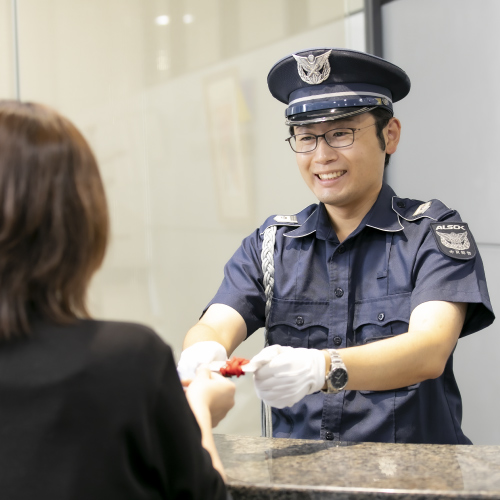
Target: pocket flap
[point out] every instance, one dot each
(381, 311)
(299, 314)
(409, 388)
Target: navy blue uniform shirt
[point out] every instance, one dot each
(332, 295)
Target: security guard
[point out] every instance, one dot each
(371, 291)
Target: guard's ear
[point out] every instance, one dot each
(392, 135)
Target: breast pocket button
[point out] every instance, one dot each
(381, 316)
(299, 320)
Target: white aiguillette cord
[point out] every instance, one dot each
(267, 258)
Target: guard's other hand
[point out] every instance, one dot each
(197, 354)
(285, 375)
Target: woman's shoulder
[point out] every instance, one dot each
(121, 334)
(133, 350)
(103, 342)
(111, 327)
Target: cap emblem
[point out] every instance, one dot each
(313, 70)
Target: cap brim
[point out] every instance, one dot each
(325, 115)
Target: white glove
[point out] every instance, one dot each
(284, 375)
(198, 354)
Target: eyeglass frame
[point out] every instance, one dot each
(324, 138)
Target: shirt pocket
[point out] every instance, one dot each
(298, 323)
(381, 318)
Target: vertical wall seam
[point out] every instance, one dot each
(15, 49)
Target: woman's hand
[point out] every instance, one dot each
(210, 392)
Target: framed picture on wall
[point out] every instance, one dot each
(227, 115)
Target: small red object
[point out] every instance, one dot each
(233, 367)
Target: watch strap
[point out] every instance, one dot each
(336, 363)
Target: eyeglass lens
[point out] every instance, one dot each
(337, 138)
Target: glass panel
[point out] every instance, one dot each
(172, 96)
(7, 58)
(324, 11)
(468, 175)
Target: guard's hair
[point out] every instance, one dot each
(382, 116)
(53, 218)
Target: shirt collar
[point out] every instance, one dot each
(381, 216)
(310, 225)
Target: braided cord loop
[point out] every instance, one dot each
(267, 258)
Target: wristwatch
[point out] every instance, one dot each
(337, 378)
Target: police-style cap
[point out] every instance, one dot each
(327, 84)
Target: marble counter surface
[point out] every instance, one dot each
(288, 469)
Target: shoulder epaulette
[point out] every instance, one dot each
(412, 210)
(294, 221)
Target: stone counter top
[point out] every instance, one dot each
(289, 469)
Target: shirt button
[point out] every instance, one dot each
(381, 316)
(339, 292)
(337, 340)
(341, 249)
(329, 436)
(299, 320)
(401, 204)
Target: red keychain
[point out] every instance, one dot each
(233, 367)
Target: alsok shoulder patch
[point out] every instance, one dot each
(454, 239)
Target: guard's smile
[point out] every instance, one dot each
(331, 175)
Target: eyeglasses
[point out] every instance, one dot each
(335, 138)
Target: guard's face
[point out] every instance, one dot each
(347, 178)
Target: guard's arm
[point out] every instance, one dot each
(220, 323)
(285, 375)
(411, 357)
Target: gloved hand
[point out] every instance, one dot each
(197, 354)
(284, 375)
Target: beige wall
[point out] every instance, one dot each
(7, 80)
(154, 101)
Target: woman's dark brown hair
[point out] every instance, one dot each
(53, 217)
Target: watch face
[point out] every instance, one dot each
(338, 378)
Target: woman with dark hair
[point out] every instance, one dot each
(88, 409)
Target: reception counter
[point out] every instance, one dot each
(288, 469)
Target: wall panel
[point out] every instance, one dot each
(449, 151)
(133, 75)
